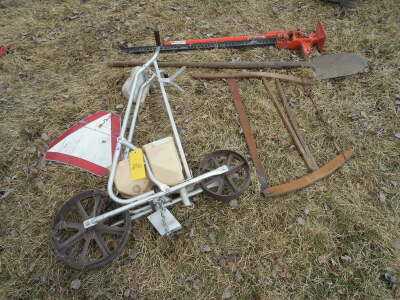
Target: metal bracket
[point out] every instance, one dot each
(162, 220)
(170, 79)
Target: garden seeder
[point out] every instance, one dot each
(92, 227)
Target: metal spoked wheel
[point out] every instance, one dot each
(90, 248)
(231, 184)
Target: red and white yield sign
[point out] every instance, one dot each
(90, 144)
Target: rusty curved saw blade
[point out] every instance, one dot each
(308, 179)
(338, 65)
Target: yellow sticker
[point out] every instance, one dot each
(136, 162)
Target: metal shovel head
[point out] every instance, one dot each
(338, 65)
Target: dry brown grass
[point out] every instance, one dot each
(55, 58)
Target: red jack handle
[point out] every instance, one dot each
(293, 39)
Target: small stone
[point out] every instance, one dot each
(75, 284)
(205, 248)
(333, 262)
(234, 203)
(306, 211)
(212, 237)
(238, 276)
(74, 17)
(396, 244)
(13, 234)
(268, 282)
(41, 163)
(383, 168)
(181, 131)
(31, 149)
(188, 221)
(329, 85)
(274, 273)
(204, 116)
(382, 197)
(40, 185)
(134, 254)
(376, 51)
(354, 115)
(301, 221)
(119, 106)
(227, 294)
(65, 96)
(363, 114)
(397, 134)
(4, 194)
(390, 277)
(341, 291)
(293, 101)
(34, 172)
(130, 294)
(197, 284)
(40, 278)
(44, 137)
(237, 59)
(345, 258)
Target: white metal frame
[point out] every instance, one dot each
(148, 202)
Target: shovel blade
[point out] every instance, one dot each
(338, 65)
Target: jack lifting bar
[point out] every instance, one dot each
(292, 39)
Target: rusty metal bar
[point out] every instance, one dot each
(295, 79)
(309, 179)
(251, 143)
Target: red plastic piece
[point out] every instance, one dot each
(293, 39)
(3, 50)
(298, 40)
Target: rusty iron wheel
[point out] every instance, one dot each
(90, 248)
(231, 184)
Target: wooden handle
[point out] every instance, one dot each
(252, 75)
(295, 126)
(287, 124)
(219, 65)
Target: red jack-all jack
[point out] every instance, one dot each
(292, 39)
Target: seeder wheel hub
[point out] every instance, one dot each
(93, 247)
(231, 184)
